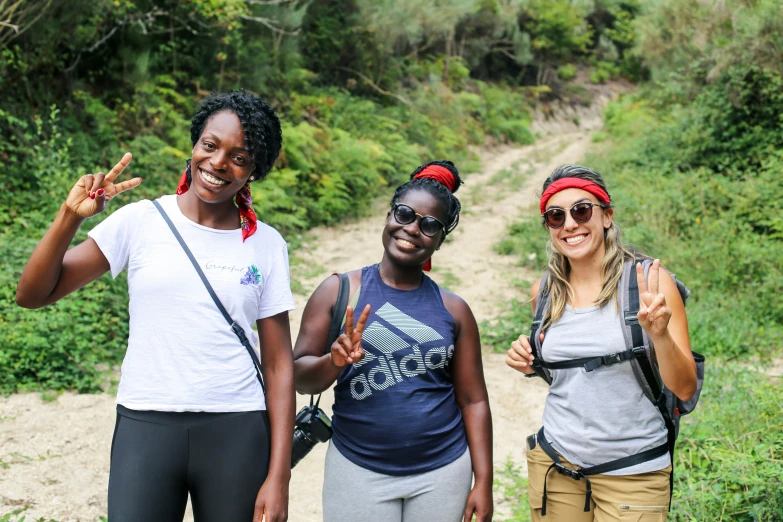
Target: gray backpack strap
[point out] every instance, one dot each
(541, 306)
(647, 376)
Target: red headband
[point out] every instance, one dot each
(566, 183)
(440, 174)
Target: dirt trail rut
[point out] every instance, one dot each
(54, 456)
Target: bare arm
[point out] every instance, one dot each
(275, 339)
(315, 371)
(470, 391)
(53, 271)
(662, 315)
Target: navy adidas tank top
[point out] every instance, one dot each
(394, 411)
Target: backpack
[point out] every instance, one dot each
(640, 353)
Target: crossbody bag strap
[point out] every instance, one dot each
(238, 330)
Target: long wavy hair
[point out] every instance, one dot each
(559, 268)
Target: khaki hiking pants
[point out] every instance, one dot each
(629, 498)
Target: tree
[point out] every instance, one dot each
(17, 16)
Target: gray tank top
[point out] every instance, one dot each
(596, 417)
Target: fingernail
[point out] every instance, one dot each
(100, 192)
(92, 195)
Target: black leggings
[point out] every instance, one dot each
(221, 459)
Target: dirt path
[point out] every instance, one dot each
(54, 456)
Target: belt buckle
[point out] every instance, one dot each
(568, 472)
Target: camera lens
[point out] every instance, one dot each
(302, 445)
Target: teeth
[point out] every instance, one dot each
(406, 243)
(212, 179)
(575, 239)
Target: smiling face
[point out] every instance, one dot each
(580, 241)
(221, 164)
(405, 244)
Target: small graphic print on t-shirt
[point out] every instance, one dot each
(251, 277)
(398, 359)
(220, 267)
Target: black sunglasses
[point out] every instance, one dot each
(555, 217)
(405, 215)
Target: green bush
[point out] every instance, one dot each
(727, 469)
(604, 71)
(69, 345)
(566, 72)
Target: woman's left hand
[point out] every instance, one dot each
(480, 504)
(654, 314)
(272, 501)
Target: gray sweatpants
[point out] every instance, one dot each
(355, 494)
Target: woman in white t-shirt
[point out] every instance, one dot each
(191, 412)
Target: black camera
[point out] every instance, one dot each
(311, 426)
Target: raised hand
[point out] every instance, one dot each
(91, 193)
(347, 349)
(520, 355)
(654, 314)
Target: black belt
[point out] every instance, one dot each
(582, 473)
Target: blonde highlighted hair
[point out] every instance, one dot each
(559, 268)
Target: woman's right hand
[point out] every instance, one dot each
(520, 356)
(91, 193)
(347, 348)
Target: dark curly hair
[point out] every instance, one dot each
(437, 189)
(259, 123)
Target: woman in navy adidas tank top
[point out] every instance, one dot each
(412, 425)
(606, 339)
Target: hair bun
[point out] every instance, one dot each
(441, 171)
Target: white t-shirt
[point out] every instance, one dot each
(182, 354)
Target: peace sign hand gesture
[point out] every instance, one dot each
(347, 349)
(654, 314)
(91, 193)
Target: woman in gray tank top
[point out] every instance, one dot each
(599, 422)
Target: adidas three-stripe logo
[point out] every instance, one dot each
(386, 372)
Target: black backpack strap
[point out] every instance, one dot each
(238, 330)
(340, 305)
(590, 363)
(557, 464)
(535, 328)
(582, 473)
